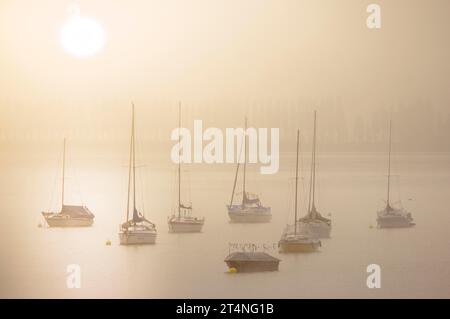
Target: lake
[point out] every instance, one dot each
(415, 262)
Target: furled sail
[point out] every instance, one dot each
(137, 217)
(251, 200)
(314, 214)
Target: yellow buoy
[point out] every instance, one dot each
(370, 226)
(232, 270)
(108, 243)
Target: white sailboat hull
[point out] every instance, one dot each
(239, 214)
(394, 218)
(394, 223)
(185, 227)
(137, 237)
(62, 221)
(315, 229)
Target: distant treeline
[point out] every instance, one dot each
(416, 127)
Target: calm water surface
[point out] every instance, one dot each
(415, 262)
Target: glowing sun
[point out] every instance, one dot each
(82, 37)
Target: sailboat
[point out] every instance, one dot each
(250, 210)
(314, 223)
(70, 215)
(137, 229)
(392, 217)
(295, 241)
(182, 221)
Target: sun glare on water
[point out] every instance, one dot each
(82, 37)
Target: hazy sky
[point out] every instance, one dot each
(219, 50)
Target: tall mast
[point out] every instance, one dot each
(244, 196)
(134, 164)
(296, 182)
(312, 181)
(130, 162)
(235, 176)
(179, 160)
(314, 167)
(63, 173)
(389, 163)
